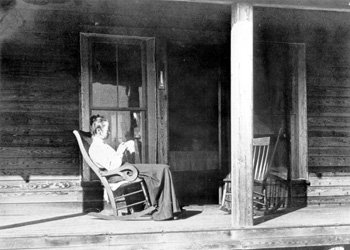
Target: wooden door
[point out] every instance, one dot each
(118, 82)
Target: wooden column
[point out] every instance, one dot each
(337, 248)
(242, 114)
(298, 118)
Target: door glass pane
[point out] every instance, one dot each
(124, 126)
(129, 75)
(104, 81)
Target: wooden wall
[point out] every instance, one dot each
(326, 36)
(39, 85)
(39, 109)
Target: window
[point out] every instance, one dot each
(118, 82)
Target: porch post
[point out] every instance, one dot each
(242, 114)
(298, 113)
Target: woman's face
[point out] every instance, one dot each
(104, 132)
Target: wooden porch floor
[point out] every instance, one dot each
(199, 227)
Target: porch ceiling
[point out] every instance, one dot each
(339, 5)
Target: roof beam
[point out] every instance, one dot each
(326, 5)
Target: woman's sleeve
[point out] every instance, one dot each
(106, 157)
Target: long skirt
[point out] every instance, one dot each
(161, 189)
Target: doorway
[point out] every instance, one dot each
(198, 149)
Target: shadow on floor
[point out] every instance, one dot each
(185, 214)
(260, 218)
(188, 213)
(27, 223)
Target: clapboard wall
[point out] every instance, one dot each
(39, 160)
(40, 83)
(326, 36)
(39, 86)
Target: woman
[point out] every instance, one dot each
(157, 176)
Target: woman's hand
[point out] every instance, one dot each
(130, 145)
(121, 148)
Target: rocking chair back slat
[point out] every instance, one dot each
(261, 148)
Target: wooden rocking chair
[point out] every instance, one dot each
(128, 176)
(262, 161)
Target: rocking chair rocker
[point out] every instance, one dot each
(128, 176)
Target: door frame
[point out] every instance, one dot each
(85, 61)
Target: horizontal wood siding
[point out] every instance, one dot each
(326, 36)
(329, 122)
(39, 109)
(40, 86)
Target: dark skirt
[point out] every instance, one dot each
(161, 189)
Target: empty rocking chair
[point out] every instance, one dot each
(128, 176)
(262, 161)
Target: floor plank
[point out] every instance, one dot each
(199, 227)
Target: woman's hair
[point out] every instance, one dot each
(97, 122)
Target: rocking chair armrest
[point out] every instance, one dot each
(260, 182)
(127, 171)
(278, 177)
(106, 173)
